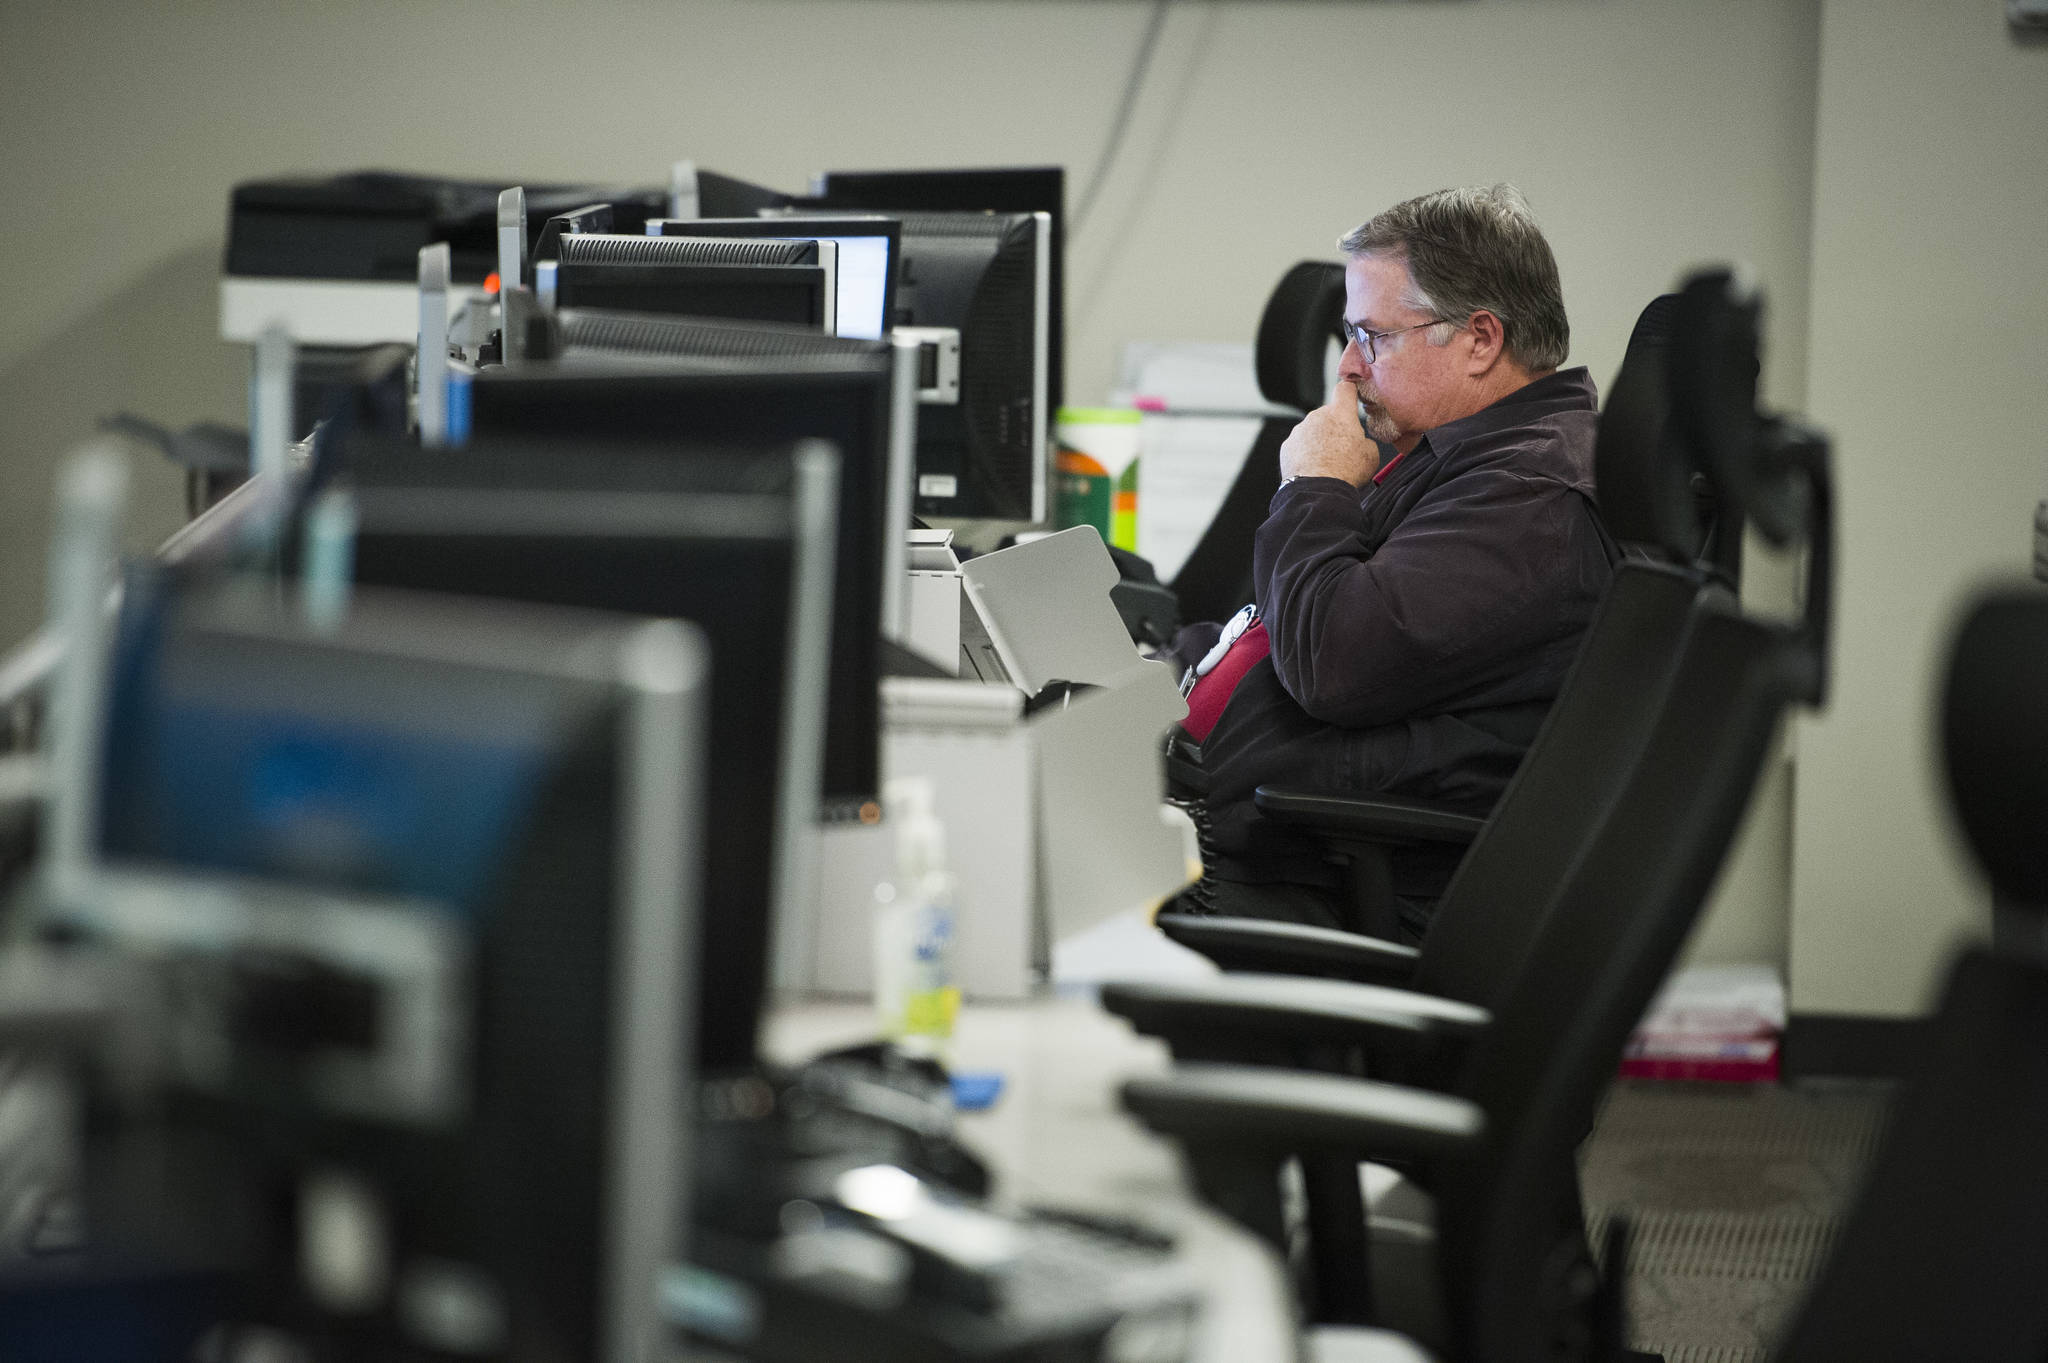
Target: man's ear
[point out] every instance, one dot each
(1489, 343)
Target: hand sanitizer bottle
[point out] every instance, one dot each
(916, 1000)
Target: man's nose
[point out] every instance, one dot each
(1352, 364)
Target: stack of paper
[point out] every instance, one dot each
(1191, 377)
(1711, 1022)
(1202, 409)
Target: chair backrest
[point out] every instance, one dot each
(1995, 736)
(1945, 1252)
(1650, 494)
(1625, 909)
(1604, 950)
(1301, 319)
(1496, 904)
(1643, 479)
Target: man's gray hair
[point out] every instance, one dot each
(1472, 249)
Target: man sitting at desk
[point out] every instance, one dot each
(1429, 564)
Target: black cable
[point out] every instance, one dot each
(1142, 63)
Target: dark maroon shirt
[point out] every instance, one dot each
(1421, 628)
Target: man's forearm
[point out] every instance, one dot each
(1366, 633)
(1312, 540)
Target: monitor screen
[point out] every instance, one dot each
(868, 251)
(248, 761)
(426, 774)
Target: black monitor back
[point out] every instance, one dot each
(983, 456)
(706, 344)
(705, 537)
(1015, 189)
(756, 281)
(744, 399)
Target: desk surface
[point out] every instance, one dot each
(1056, 1138)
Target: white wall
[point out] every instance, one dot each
(1929, 293)
(1648, 135)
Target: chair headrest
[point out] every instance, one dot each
(1301, 319)
(1716, 334)
(1995, 738)
(1770, 468)
(1642, 475)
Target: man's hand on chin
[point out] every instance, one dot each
(1329, 442)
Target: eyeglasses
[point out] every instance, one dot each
(1365, 340)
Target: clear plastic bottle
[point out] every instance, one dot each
(916, 1000)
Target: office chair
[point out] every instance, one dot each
(1946, 1250)
(1292, 352)
(1496, 1148)
(1566, 781)
(1665, 521)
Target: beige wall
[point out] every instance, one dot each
(1648, 135)
(1930, 234)
(1266, 130)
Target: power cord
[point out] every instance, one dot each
(1120, 126)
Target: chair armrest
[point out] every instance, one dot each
(1291, 1008)
(1282, 948)
(1290, 1111)
(1370, 818)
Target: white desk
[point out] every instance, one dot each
(1056, 1138)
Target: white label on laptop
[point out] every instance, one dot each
(937, 485)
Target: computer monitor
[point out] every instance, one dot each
(738, 542)
(1016, 189)
(419, 890)
(980, 279)
(792, 282)
(719, 390)
(723, 196)
(587, 219)
(579, 335)
(739, 346)
(869, 248)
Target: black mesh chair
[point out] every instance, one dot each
(1303, 316)
(1567, 781)
(1496, 1147)
(1946, 1251)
